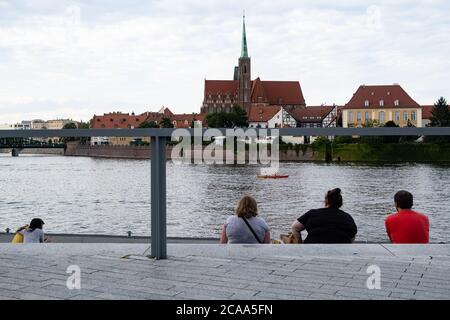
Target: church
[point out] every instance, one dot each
(222, 95)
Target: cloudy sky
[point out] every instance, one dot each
(74, 59)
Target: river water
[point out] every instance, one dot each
(106, 196)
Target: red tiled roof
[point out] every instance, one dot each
(258, 91)
(276, 92)
(262, 114)
(188, 116)
(127, 121)
(311, 113)
(185, 120)
(374, 94)
(221, 86)
(426, 112)
(284, 92)
(123, 120)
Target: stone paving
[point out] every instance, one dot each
(238, 272)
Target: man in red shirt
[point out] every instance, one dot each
(407, 226)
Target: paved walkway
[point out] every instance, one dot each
(225, 272)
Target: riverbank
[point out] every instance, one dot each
(143, 152)
(226, 272)
(345, 152)
(395, 152)
(38, 151)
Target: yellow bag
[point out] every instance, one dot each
(18, 238)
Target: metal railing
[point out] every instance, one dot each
(158, 157)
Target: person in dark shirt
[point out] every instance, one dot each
(326, 225)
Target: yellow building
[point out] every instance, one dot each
(126, 141)
(57, 124)
(381, 104)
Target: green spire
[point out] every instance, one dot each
(244, 50)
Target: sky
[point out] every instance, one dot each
(73, 59)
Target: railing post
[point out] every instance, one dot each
(158, 198)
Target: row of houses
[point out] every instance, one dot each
(120, 120)
(56, 124)
(370, 103)
(375, 104)
(38, 124)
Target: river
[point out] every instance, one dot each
(106, 196)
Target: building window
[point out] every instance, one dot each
(366, 103)
(397, 116)
(350, 116)
(381, 103)
(366, 116)
(405, 116)
(358, 117)
(413, 116)
(396, 103)
(382, 117)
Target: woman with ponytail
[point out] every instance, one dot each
(326, 225)
(33, 233)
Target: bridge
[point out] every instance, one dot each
(15, 149)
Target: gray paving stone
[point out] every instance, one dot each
(224, 272)
(275, 296)
(292, 291)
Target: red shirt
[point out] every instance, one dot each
(408, 226)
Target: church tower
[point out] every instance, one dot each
(244, 74)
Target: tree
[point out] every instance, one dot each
(215, 120)
(339, 121)
(236, 118)
(371, 139)
(166, 123)
(391, 139)
(440, 117)
(84, 125)
(440, 114)
(371, 124)
(148, 124)
(239, 117)
(70, 126)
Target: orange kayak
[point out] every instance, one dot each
(273, 176)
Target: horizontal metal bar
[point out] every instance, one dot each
(428, 131)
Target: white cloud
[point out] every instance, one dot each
(140, 56)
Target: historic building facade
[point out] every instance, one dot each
(381, 104)
(222, 95)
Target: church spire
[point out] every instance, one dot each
(244, 50)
